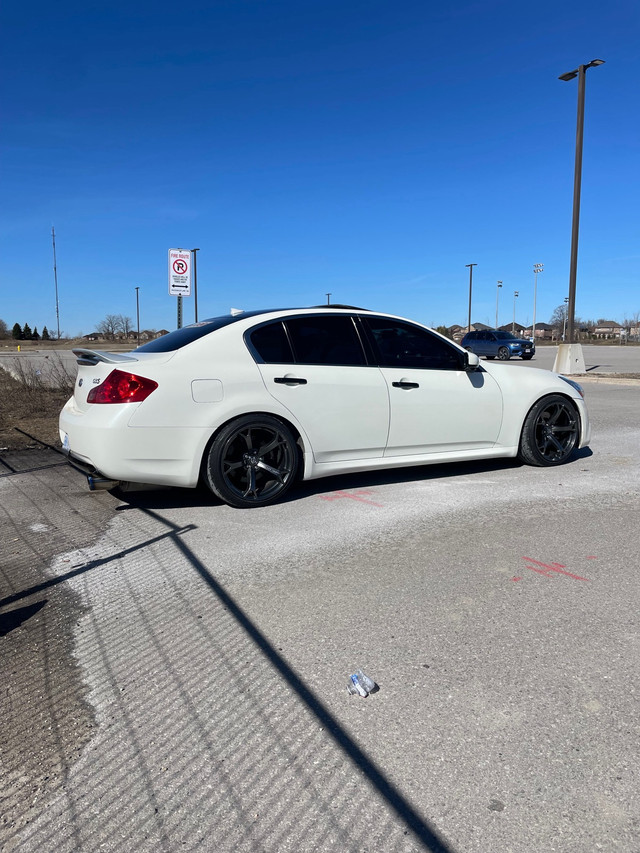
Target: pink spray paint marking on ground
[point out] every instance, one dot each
(546, 569)
(354, 496)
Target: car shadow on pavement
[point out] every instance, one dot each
(171, 498)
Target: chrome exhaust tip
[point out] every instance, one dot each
(101, 483)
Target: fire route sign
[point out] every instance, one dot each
(179, 272)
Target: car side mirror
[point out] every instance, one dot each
(471, 361)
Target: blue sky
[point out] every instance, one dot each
(369, 150)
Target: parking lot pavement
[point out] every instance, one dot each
(600, 360)
(495, 605)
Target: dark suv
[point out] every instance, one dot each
(492, 343)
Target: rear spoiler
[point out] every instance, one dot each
(92, 356)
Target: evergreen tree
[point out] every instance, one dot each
(26, 332)
(16, 333)
(35, 335)
(45, 334)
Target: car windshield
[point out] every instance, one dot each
(505, 336)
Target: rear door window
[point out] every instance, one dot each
(325, 340)
(270, 344)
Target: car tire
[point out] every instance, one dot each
(504, 354)
(550, 432)
(527, 357)
(253, 461)
(490, 357)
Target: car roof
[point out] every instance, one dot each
(187, 334)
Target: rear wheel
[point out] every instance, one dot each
(550, 432)
(253, 461)
(504, 354)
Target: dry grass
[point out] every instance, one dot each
(29, 409)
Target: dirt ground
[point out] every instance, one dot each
(28, 419)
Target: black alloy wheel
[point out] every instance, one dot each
(252, 461)
(550, 433)
(504, 354)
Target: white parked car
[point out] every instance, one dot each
(251, 402)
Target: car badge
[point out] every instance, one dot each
(80, 381)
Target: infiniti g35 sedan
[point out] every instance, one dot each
(251, 402)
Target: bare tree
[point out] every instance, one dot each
(125, 325)
(109, 327)
(3, 329)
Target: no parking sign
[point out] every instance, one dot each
(179, 272)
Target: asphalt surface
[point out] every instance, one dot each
(175, 671)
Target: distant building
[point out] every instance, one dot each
(544, 332)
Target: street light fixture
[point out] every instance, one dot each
(580, 73)
(471, 266)
(497, 295)
(536, 269)
(515, 296)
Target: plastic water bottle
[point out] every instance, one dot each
(360, 683)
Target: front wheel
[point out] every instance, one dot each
(252, 461)
(550, 432)
(527, 357)
(504, 354)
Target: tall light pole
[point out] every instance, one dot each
(471, 266)
(328, 295)
(513, 327)
(138, 312)
(195, 282)
(580, 73)
(55, 277)
(497, 295)
(536, 269)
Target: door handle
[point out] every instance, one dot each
(289, 380)
(404, 384)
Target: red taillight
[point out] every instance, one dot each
(120, 387)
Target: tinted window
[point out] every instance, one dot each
(403, 345)
(271, 345)
(325, 340)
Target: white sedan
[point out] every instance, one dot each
(251, 402)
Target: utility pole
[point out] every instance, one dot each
(471, 266)
(55, 278)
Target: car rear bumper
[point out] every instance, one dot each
(113, 450)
